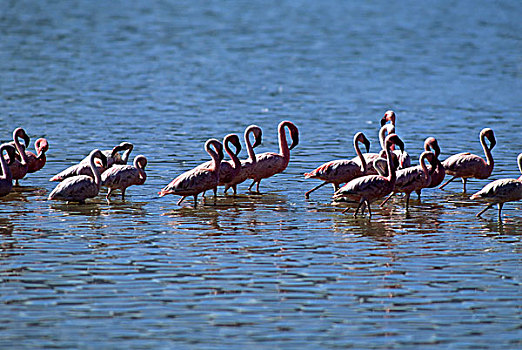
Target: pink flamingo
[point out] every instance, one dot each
(501, 191)
(79, 188)
(403, 157)
(37, 161)
(341, 171)
(197, 180)
(414, 178)
(228, 169)
(385, 130)
(6, 178)
(437, 174)
(366, 189)
(122, 176)
(84, 168)
(247, 165)
(467, 165)
(19, 166)
(270, 163)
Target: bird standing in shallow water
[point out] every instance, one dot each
(501, 191)
(403, 157)
(79, 188)
(341, 171)
(270, 163)
(19, 166)
(197, 180)
(122, 176)
(467, 165)
(6, 178)
(37, 161)
(366, 189)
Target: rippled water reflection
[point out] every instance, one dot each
(271, 270)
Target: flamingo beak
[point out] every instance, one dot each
(103, 159)
(259, 138)
(492, 140)
(366, 144)
(237, 144)
(294, 133)
(26, 139)
(383, 121)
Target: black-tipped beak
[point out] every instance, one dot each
(383, 121)
(294, 133)
(26, 140)
(367, 144)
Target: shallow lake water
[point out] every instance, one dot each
(262, 271)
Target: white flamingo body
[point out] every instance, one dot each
(81, 187)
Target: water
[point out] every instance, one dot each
(270, 271)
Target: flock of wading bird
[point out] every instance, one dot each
(366, 178)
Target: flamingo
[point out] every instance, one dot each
(79, 188)
(414, 178)
(84, 168)
(467, 165)
(501, 191)
(403, 157)
(366, 189)
(228, 169)
(371, 157)
(270, 163)
(19, 166)
(6, 178)
(197, 180)
(341, 171)
(37, 161)
(438, 174)
(122, 176)
(247, 165)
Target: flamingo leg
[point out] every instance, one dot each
(195, 201)
(369, 209)
(387, 199)
(215, 192)
(307, 194)
(358, 207)
(336, 187)
(418, 194)
(464, 180)
(257, 187)
(181, 200)
(234, 187)
(123, 194)
(500, 205)
(447, 182)
(203, 195)
(407, 201)
(483, 210)
(17, 183)
(250, 187)
(109, 196)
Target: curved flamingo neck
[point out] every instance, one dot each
(359, 154)
(385, 129)
(391, 170)
(232, 155)
(519, 161)
(422, 161)
(216, 163)
(21, 151)
(6, 172)
(487, 152)
(284, 151)
(126, 154)
(250, 149)
(95, 171)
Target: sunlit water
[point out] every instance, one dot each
(271, 270)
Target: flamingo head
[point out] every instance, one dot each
(432, 159)
(41, 146)
(389, 116)
(431, 143)
(140, 162)
(19, 132)
(393, 139)
(360, 137)
(234, 140)
(488, 133)
(124, 146)
(218, 148)
(102, 157)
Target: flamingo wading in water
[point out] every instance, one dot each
(341, 171)
(370, 158)
(467, 165)
(6, 178)
(366, 189)
(122, 176)
(228, 169)
(501, 191)
(79, 188)
(19, 166)
(37, 161)
(403, 157)
(270, 163)
(247, 165)
(197, 180)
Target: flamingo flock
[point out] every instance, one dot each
(362, 180)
